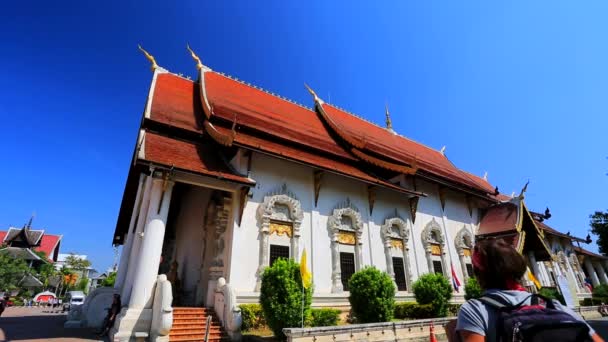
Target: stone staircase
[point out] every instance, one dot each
(189, 325)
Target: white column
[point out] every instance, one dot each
(534, 265)
(594, 280)
(126, 247)
(136, 242)
(146, 269)
(601, 273)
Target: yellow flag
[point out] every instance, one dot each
(534, 280)
(304, 272)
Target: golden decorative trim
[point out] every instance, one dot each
(466, 252)
(280, 228)
(413, 207)
(435, 249)
(396, 243)
(347, 238)
(199, 65)
(149, 57)
(408, 170)
(220, 138)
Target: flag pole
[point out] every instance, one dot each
(303, 304)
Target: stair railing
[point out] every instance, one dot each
(207, 326)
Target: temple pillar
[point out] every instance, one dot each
(138, 315)
(601, 273)
(133, 253)
(594, 279)
(146, 269)
(534, 264)
(126, 247)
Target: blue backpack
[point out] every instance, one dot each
(535, 322)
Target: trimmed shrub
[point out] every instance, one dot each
(453, 309)
(600, 291)
(323, 317)
(281, 296)
(435, 289)
(472, 290)
(372, 296)
(252, 316)
(552, 293)
(413, 311)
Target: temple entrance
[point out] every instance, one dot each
(193, 250)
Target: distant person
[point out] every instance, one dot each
(3, 303)
(603, 309)
(506, 311)
(114, 310)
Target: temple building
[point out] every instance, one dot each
(23, 242)
(226, 178)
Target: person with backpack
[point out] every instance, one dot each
(506, 311)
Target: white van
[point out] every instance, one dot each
(73, 298)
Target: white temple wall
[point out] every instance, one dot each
(271, 173)
(457, 218)
(189, 232)
(334, 191)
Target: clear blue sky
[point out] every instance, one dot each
(518, 90)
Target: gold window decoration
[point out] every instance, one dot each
(435, 249)
(347, 238)
(280, 228)
(467, 252)
(396, 243)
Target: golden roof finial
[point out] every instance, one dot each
(312, 92)
(199, 65)
(149, 57)
(389, 123)
(523, 190)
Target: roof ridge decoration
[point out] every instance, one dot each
(389, 122)
(153, 64)
(217, 136)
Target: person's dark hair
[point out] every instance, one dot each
(497, 264)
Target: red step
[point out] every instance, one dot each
(189, 324)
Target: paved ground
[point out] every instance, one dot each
(38, 324)
(601, 326)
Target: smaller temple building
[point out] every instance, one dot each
(23, 242)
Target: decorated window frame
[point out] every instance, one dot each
(433, 242)
(280, 217)
(395, 236)
(464, 243)
(345, 228)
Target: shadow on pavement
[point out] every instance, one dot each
(41, 327)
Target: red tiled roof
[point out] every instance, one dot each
(311, 159)
(499, 218)
(399, 148)
(271, 114)
(48, 243)
(552, 231)
(175, 102)
(583, 251)
(199, 158)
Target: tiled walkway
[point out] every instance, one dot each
(38, 324)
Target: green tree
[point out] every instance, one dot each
(77, 264)
(281, 296)
(12, 270)
(110, 280)
(46, 274)
(372, 296)
(599, 227)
